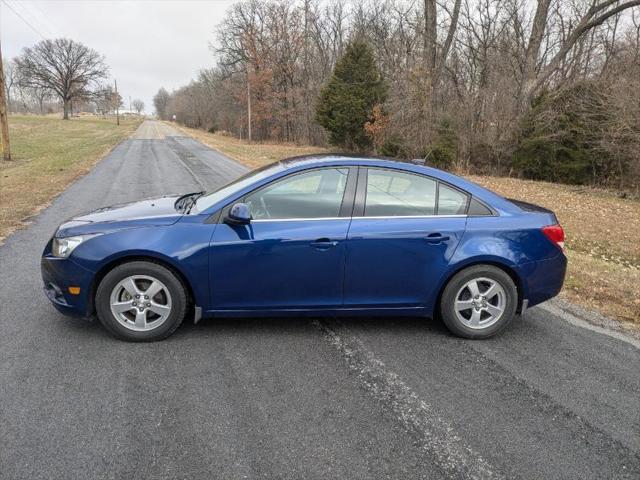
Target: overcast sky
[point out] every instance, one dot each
(147, 44)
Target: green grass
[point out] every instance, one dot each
(48, 153)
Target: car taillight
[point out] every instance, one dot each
(555, 233)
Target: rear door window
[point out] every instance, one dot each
(451, 201)
(399, 194)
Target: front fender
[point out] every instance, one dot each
(182, 246)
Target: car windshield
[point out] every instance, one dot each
(211, 198)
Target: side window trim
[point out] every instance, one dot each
(348, 197)
(346, 206)
(361, 192)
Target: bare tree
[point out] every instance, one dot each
(434, 62)
(10, 80)
(106, 99)
(67, 68)
(160, 101)
(535, 75)
(138, 105)
(40, 95)
(463, 75)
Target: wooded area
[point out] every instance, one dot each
(547, 90)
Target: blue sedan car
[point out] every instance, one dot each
(318, 235)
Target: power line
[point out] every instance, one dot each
(23, 19)
(38, 17)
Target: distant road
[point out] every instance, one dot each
(293, 398)
(154, 130)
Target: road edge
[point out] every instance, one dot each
(38, 209)
(591, 320)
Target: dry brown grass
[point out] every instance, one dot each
(603, 231)
(253, 155)
(597, 222)
(48, 154)
(602, 239)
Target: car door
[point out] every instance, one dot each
(292, 253)
(404, 231)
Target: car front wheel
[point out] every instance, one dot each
(479, 302)
(141, 301)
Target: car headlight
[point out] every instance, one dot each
(62, 247)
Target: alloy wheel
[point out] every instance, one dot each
(140, 303)
(480, 303)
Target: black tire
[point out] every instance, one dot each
(173, 284)
(454, 286)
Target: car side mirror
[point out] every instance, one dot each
(239, 214)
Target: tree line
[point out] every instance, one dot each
(547, 90)
(61, 75)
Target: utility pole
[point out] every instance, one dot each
(115, 82)
(248, 106)
(4, 120)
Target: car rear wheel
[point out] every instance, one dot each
(479, 302)
(141, 301)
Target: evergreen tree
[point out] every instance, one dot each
(346, 102)
(562, 135)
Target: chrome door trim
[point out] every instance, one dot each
(409, 216)
(354, 218)
(261, 220)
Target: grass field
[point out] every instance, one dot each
(48, 154)
(603, 231)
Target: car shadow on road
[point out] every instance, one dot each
(285, 326)
(299, 325)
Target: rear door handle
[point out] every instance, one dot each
(435, 238)
(323, 243)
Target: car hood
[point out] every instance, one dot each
(150, 212)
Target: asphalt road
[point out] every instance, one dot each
(293, 398)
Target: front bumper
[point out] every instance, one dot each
(58, 274)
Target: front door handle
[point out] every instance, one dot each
(323, 243)
(436, 238)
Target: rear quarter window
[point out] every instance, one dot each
(478, 209)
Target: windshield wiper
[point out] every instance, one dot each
(186, 202)
(192, 201)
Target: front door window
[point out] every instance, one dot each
(314, 194)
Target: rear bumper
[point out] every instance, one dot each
(544, 279)
(58, 274)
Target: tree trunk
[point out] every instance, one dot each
(65, 109)
(430, 48)
(430, 34)
(532, 54)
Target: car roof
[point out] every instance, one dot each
(348, 159)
